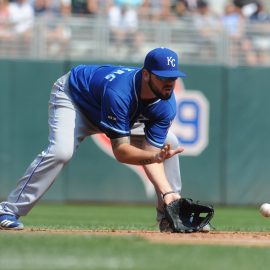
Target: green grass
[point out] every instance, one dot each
(40, 251)
(82, 216)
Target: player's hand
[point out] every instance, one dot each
(166, 152)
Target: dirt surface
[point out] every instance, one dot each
(259, 239)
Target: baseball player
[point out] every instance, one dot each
(133, 106)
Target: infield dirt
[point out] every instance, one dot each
(259, 239)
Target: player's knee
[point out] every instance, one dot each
(172, 140)
(63, 154)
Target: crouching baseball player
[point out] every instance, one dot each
(112, 99)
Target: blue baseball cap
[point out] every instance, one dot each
(163, 62)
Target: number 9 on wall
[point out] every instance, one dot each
(191, 123)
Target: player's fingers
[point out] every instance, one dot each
(176, 151)
(179, 149)
(164, 148)
(167, 148)
(166, 152)
(163, 152)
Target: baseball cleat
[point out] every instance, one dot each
(10, 222)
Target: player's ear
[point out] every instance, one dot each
(145, 75)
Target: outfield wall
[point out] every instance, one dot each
(232, 168)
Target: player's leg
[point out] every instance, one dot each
(67, 127)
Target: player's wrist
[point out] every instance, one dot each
(157, 158)
(167, 193)
(170, 196)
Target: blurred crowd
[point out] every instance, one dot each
(124, 16)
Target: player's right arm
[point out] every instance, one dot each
(124, 152)
(151, 158)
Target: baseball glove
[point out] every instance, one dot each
(186, 216)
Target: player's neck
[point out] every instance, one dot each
(146, 93)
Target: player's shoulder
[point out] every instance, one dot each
(123, 88)
(121, 77)
(117, 69)
(122, 72)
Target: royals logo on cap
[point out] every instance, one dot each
(171, 61)
(163, 62)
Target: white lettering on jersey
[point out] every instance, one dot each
(119, 71)
(112, 76)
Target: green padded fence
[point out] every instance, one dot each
(232, 169)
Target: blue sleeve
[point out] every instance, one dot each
(114, 114)
(162, 115)
(156, 133)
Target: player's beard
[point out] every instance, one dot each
(157, 92)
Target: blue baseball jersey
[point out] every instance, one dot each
(109, 96)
